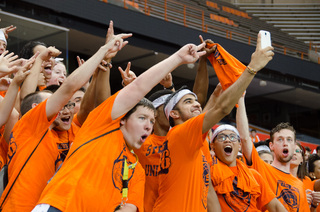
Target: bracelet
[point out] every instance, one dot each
(251, 71)
(314, 206)
(170, 88)
(108, 65)
(122, 83)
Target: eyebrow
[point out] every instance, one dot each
(187, 99)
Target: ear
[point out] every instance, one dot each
(122, 122)
(271, 146)
(174, 114)
(34, 105)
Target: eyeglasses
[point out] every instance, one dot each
(223, 137)
(298, 151)
(70, 106)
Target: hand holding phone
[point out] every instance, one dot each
(265, 38)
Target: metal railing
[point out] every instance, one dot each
(194, 17)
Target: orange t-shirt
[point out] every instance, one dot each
(206, 151)
(184, 171)
(91, 179)
(149, 157)
(288, 189)
(239, 188)
(3, 148)
(308, 184)
(227, 67)
(65, 139)
(3, 151)
(76, 121)
(25, 135)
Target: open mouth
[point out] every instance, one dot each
(143, 138)
(285, 152)
(60, 82)
(65, 120)
(228, 150)
(47, 69)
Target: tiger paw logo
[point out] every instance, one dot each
(205, 178)
(12, 148)
(237, 200)
(117, 170)
(288, 195)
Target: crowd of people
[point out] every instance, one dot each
(70, 145)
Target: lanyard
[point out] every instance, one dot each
(125, 177)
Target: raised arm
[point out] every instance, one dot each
(31, 82)
(201, 83)
(130, 95)
(243, 128)
(88, 100)
(230, 96)
(213, 97)
(8, 102)
(82, 74)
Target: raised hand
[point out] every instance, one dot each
(208, 50)
(8, 29)
(105, 66)
(261, 57)
(24, 71)
(5, 61)
(127, 76)
(80, 61)
(4, 83)
(190, 53)
(115, 45)
(48, 53)
(167, 81)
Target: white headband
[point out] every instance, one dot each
(2, 37)
(160, 101)
(175, 99)
(222, 128)
(263, 147)
(58, 59)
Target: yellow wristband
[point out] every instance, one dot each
(251, 71)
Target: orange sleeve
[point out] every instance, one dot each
(227, 67)
(76, 121)
(266, 193)
(136, 189)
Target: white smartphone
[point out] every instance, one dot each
(265, 38)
